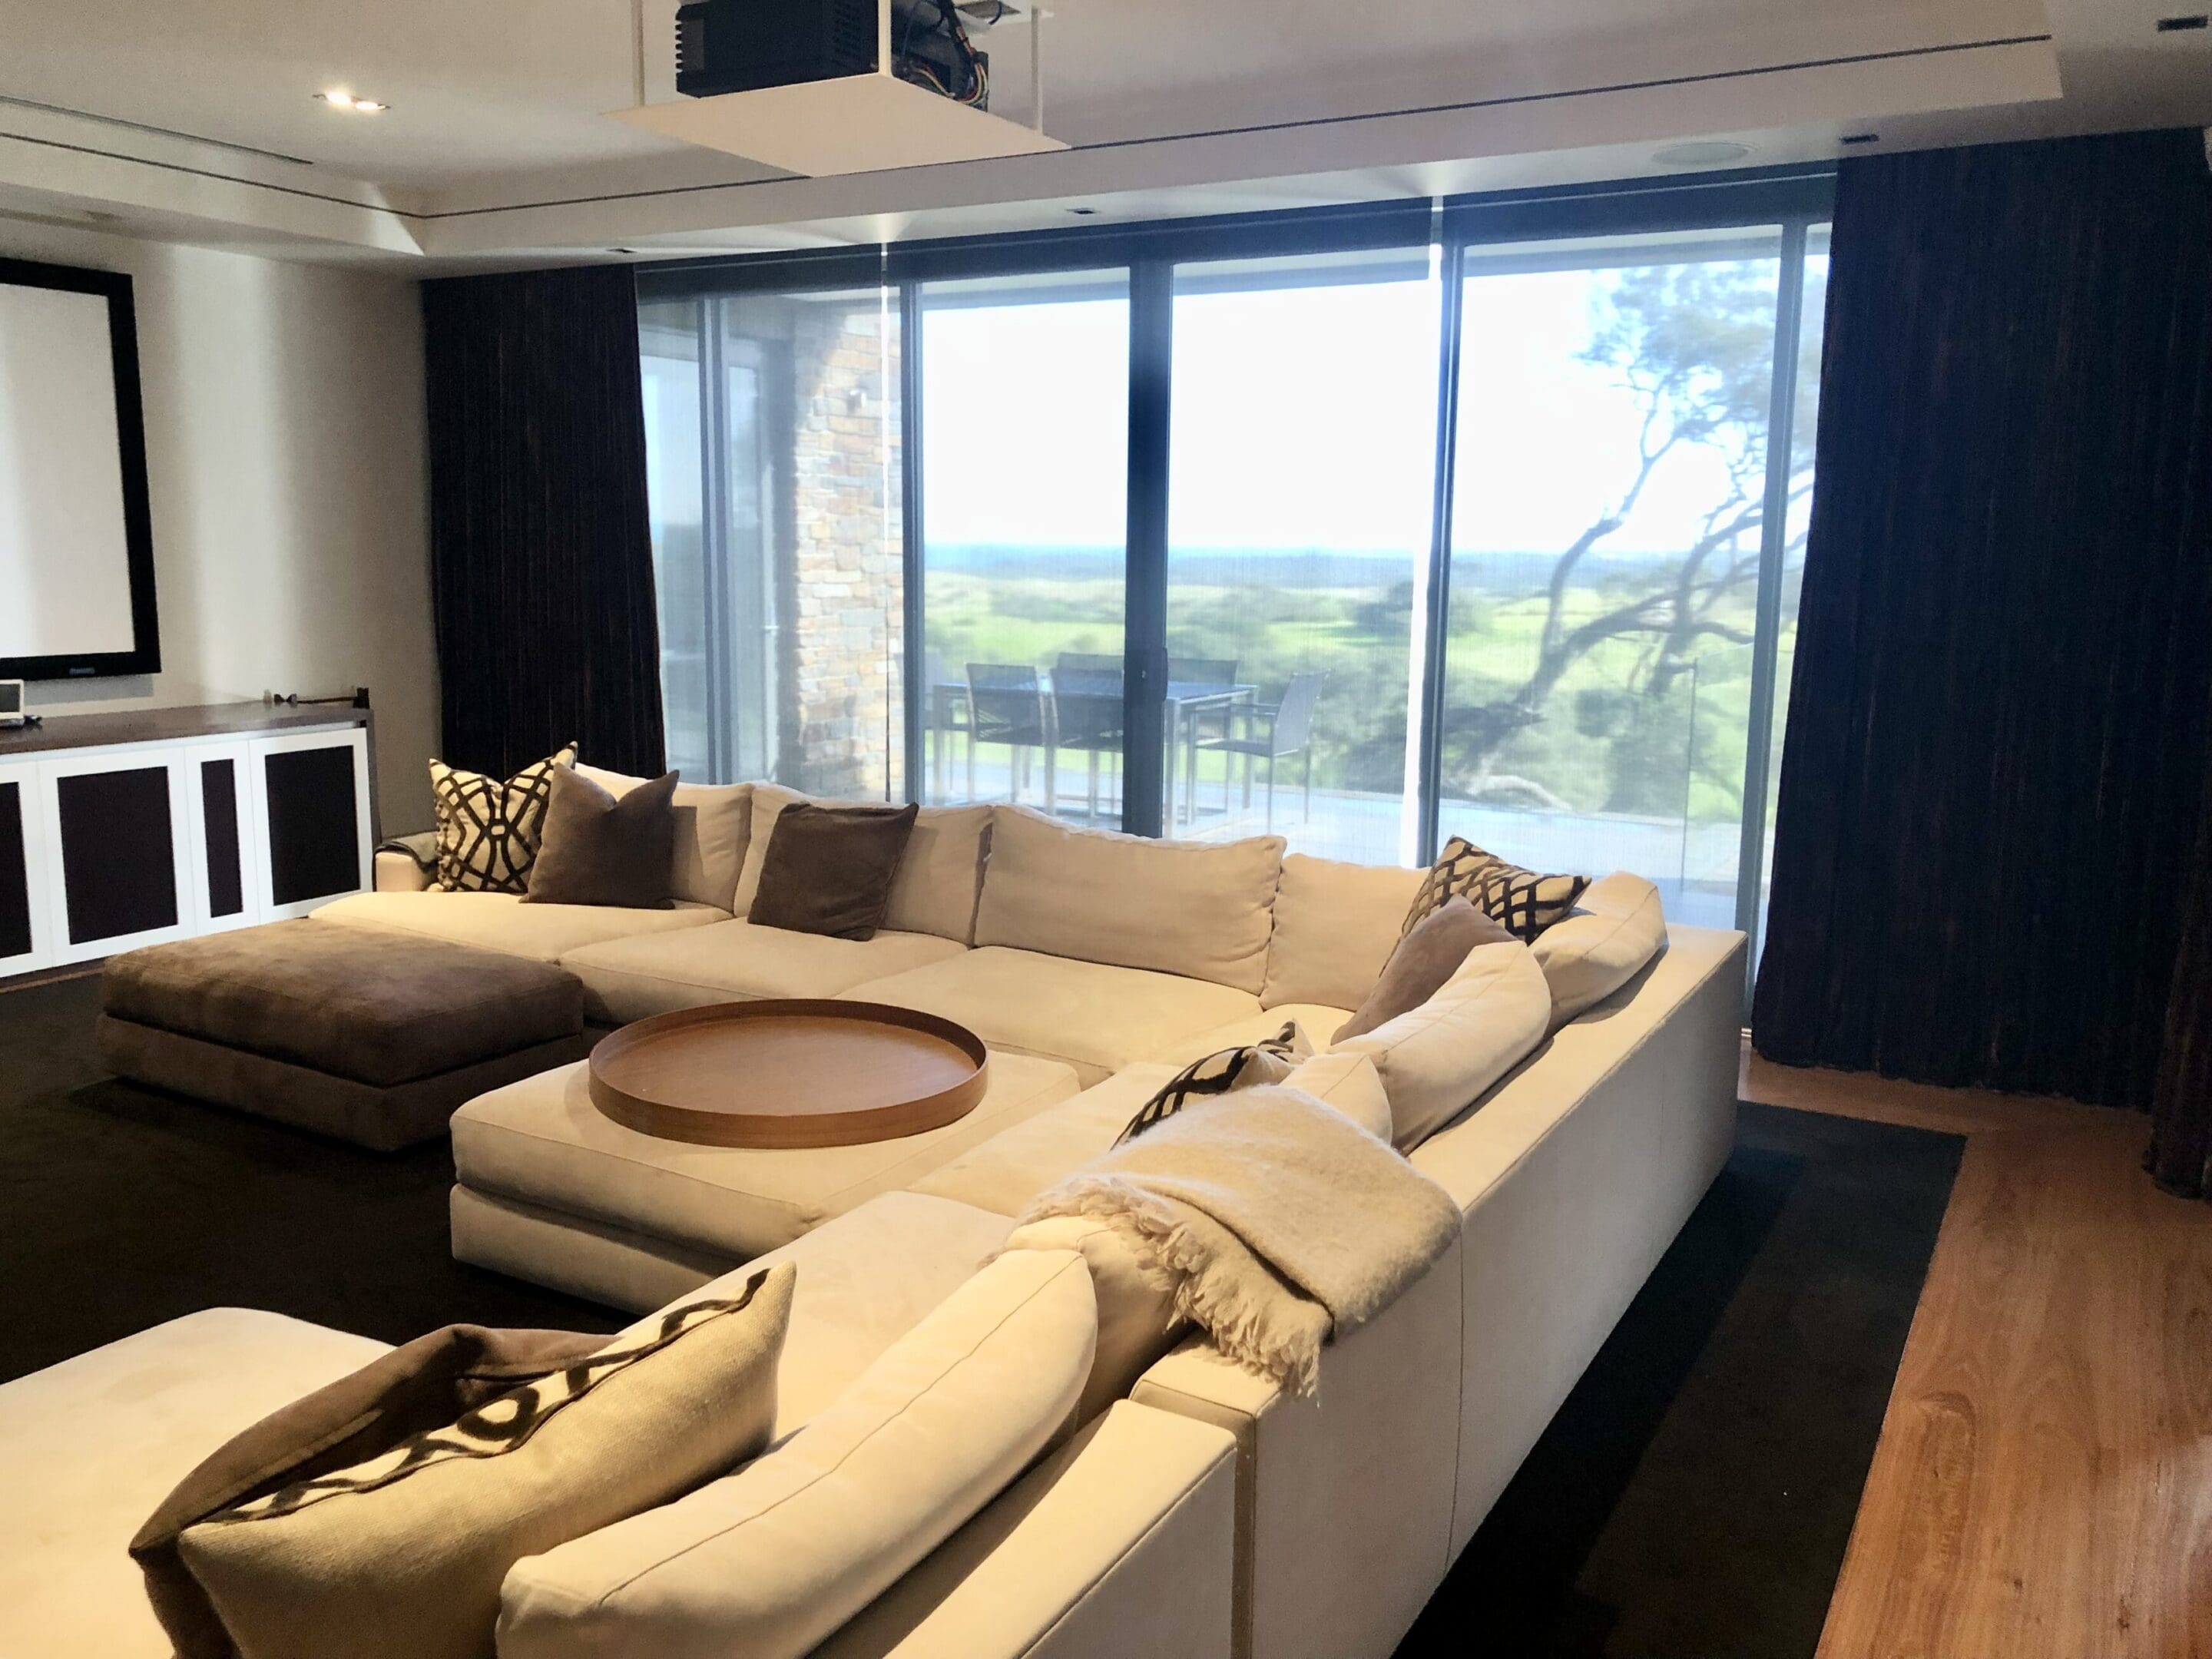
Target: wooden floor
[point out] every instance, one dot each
(2043, 1485)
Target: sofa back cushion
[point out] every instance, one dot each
(934, 891)
(1436, 1059)
(1175, 907)
(714, 823)
(1616, 926)
(769, 1560)
(1335, 926)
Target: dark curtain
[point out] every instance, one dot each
(1997, 726)
(541, 549)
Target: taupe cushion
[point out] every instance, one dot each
(1430, 954)
(829, 870)
(488, 828)
(714, 824)
(401, 1557)
(938, 879)
(599, 850)
(1188, 908)
(377, 1007)
(415, 1389)
(1614, 929)
(1093, 1017)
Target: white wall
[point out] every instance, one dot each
(285, 460)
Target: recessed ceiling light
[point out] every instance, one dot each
(1715, 153)
(1083, 213)
(345, 100)
(1861, 138)
(2181, 25)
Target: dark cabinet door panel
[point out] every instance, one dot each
(314, 833)
(118, 852)
(226, 878)
(15, 872)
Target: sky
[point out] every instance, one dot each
(1303, 418)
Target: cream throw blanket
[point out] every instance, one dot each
(1273, 1219)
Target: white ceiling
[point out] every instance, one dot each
(498, 106)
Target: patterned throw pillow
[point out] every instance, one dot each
(1524, 902)
(487, 830)
(1248, 1065)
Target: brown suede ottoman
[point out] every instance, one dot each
(373, 1037)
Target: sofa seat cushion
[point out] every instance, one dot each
(1318, 1021)
(376, 1008)
(1089, 1015)
(543, 1141)
(92, 1445)
(629, 979)
(503, 922)
(1013, 1166)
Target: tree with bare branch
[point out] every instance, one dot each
(1693, 343)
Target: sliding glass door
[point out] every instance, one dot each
(1301, 471)
(1607, 537)
(1367, 528)
(1023, 474)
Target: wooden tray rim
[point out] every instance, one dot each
(788, 1131)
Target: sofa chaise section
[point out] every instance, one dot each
(636, 977)
(503, 922)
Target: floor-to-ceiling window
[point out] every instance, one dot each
(1369, 528)
(1300, 479)
(1023, 486)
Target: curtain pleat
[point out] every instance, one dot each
(1998, 719)
(541, 545)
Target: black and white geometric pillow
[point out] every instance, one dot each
(1521, 901)
(1245, 1066)
(487, 829)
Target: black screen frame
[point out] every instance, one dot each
(144, 656)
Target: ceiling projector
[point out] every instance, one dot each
(749, 46)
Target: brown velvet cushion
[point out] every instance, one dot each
(829, 870)
(597, 849)
(425, 1385)
(357, 1002)
(1426, 956)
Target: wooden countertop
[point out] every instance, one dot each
(170, 725)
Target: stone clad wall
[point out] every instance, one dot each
(847, 626)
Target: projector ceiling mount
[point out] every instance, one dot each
(822, 87)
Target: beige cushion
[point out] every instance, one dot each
(1184, 908)
(402, 1556)
(503, 922)
(542, 1140)
(1318, 1023)
(1095, 1018)
(91, 1446)
(1013, 1166)
(1350, 1083)
(1335, 926)
(865, 1280)
(627, 979)
(1436, 1061)
(1615, 928)
(1137, 1318)
(713, 821)
(937, 878)
(769, 1560)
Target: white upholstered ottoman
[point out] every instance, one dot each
(552, 1190)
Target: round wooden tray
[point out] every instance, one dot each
(787, 1073)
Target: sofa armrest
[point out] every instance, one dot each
(1119, 1543)
(407, 863)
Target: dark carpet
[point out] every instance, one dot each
(1691, 1500)
(122, 1206)
(1693, 1497)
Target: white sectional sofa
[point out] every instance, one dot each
(1093, 965)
